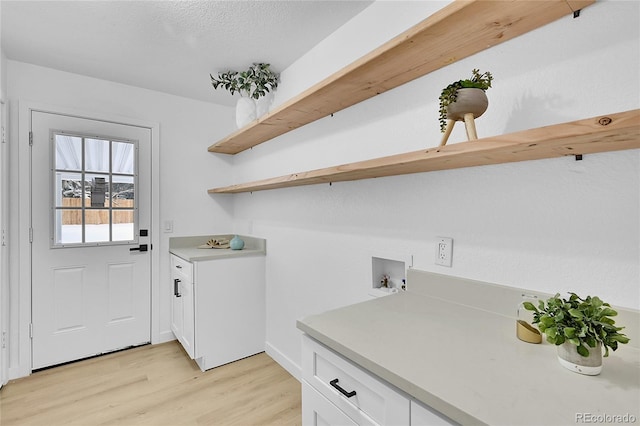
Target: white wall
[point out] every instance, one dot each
(186, 170)
(550, 225)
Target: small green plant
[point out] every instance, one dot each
(255, 82)
(583, 322)
(450, 93)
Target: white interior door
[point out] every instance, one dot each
(91, 199)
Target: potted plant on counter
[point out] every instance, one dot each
(464, 100)
(579, 328)
(252, 84)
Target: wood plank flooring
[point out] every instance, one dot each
(154, 385)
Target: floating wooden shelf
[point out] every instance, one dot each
(457, 31)
(613, 132)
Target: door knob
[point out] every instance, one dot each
(142, 247)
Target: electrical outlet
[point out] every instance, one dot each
(444, 251)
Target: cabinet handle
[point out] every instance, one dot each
(178, 266)
(335, 384)
(176, 293)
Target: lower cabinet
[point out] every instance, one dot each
(335, 391)
(218, 308)
(182, 304)
(318, 410)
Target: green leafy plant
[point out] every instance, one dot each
(582, 322)
(255, 82)
(450, 93)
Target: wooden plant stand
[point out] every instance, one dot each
(469, 124)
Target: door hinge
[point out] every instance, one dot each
(31, 331)
(30, 235)
(4, 237)
(4, 137)
(30, 138)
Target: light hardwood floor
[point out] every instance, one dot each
(154, 385)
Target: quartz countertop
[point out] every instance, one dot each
(187, 247)
(467, 363)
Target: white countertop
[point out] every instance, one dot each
(468, 364)
(187, 248)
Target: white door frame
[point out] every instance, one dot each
(24, 184)
(4, 254)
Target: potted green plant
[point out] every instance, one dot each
(464, 100)
(580, 328)
(252, 84)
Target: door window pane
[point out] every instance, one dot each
(123, 225)
(68, 189)
(68, 152)
(93, 191)
(68, 226)
(96, 155)
(123, 157)
(97, 225)
(123, 192)
(96, 190)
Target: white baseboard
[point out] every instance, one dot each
(286, 363)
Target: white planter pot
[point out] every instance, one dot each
(263, 105)
(571, 359)
(469, 100)
(245, 111)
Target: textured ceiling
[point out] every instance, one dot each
(169, 46)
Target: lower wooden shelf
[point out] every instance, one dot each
(613, 132)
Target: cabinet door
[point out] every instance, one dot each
(188, 319)
(319, 411)
(176, 306)
(229, 309)
(182, 312)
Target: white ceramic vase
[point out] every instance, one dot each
(245, 111)
(570, 358)
(263, 104)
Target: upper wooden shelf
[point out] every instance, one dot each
(600, 134)
(457, 31)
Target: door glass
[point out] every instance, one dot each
(122, 203)
(94, 191)
(96, 155)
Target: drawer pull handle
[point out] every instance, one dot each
(176, 292)
(335, 384)
(178, 266)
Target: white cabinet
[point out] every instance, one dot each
(363, 398)
(319, 411)
(182, 304)
(218, 308)
(335, 391)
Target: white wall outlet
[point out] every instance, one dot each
(444, 251)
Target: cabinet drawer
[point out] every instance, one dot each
(325, 370)
(182, 267)
(318, 411)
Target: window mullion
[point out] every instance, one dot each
(110, 190)
(82, 193)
